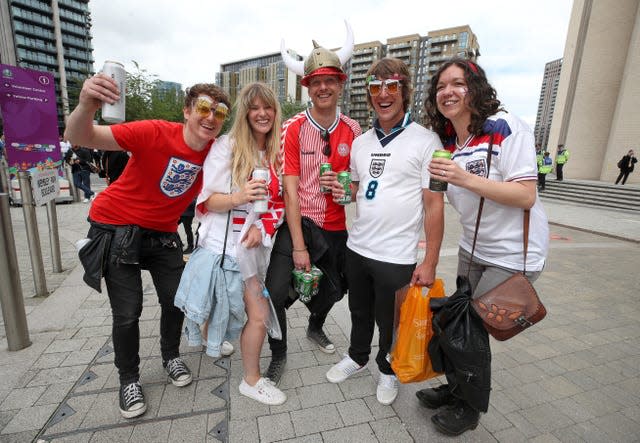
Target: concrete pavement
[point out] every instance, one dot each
(573, 377)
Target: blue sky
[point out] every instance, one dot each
(187, 41)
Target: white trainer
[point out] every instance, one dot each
(264, 392)
(226, 349)
(387, 389)
(344, 369)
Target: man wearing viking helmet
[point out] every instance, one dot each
(315, 228)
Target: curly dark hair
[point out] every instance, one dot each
(213, 91)
(483, 101)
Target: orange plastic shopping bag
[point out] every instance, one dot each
(409, 358)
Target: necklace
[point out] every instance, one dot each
(466, 142)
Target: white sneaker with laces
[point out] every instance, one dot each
(86, 200)
(226, 349)
(344, 369)
(387, 389)
(264, 392)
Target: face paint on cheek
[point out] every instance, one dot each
(460, 90)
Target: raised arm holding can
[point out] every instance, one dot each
(164, 175)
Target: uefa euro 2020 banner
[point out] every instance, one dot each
(28, 102)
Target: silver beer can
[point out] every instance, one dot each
(114, 113)
(261, 206)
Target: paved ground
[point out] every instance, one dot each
(573, 377)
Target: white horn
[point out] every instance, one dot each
(345, 52)
(297, 66)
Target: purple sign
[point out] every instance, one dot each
(28, 101)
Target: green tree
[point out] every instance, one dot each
(291, 108)
(138, 96)
(166, 104)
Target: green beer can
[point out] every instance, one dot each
(306, 287)
(324, 167)
(344, 178)
(435, 184)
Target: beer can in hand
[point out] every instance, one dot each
(435, 184)
(114, 113)
(261, 206)
(344, 178)
(324, 167)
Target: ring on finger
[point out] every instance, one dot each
(444, 173)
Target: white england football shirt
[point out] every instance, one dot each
(389, 209)
(500, 232)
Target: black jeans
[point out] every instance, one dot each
(161, 255)
(278, 282)
(623, 176)
(542, 181)
(372, 294)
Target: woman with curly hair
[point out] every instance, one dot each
(463, 109)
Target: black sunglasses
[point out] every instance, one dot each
(326, 137)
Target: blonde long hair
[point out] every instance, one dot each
(245, 156)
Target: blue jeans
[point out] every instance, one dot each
(82, 180)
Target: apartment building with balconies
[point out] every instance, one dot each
(423, 55)
(52, 36)
(547, 103)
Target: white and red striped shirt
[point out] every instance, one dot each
(302, 153)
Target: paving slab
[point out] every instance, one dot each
(573, 377)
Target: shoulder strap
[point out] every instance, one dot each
(226, 231)
(525, 221)
(475, 233)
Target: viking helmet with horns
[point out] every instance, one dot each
(321, 61)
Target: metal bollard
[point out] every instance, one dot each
(33, 238)
(4, 179)
(72, 184)
(13, 313)
(54, 239)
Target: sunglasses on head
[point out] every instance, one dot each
(326, 137)
(375, 86)
(204, 106)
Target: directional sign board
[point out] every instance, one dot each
(45, 185)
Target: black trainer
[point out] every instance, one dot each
(433, 398)
(320, 338)
(276, 368)
(456, 419)
(132, 402)
(179, 373)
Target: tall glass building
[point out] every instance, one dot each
(52, 36)
(547, 103)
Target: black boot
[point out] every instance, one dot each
(433, 398)
(276, 368)
(456, 419)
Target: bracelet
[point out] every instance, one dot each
(299, 250)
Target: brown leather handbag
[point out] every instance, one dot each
(513, 305)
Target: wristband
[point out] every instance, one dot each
(299, 250)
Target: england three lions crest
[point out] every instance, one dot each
(477, 167)
(178, 177)
(376, 167)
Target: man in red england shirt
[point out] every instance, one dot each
(134, 221)
(315, 230)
